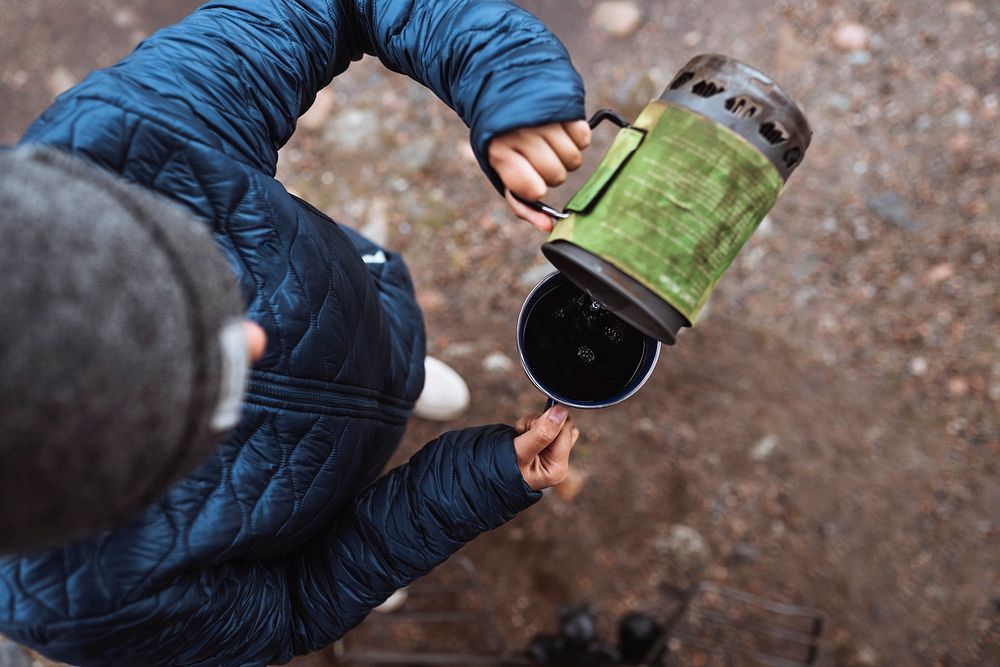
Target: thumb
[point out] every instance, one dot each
(542, 433)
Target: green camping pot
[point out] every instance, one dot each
(678, 194)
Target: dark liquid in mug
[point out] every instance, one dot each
(579, 350)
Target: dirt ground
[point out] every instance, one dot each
(829, 434)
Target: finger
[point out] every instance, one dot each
(558, 452)
(564, 146)
(538, 219)
(517, 173)
(543, 432)
(579, 131)
(537, 151)
(524, 423)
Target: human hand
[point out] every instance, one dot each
(543, 447)
(530, 159)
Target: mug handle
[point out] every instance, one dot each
(599, 116)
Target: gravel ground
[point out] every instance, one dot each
(829, 434)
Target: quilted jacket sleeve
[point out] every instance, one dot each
(249, 68)
(258, 612)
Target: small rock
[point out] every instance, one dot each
(691, 40)
(994, 392)
(431, 300)
(962, 118)
(865, 657)
(859, 58)
(457, 350)
(572, 486)
(958, 386)
(960, 142)
(991, 105)
(61, 80)
(851, 36)
(319, 113)
(683, 543)
(918, 366)
(764, 448)
(963, 8)
(123, 18)
(416, 155)
(839, 102)
(618, 18)
(498, 362)
(891, 208)
(940, 273)
(744, 554)
(354, 130)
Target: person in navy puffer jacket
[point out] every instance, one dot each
(286, 537)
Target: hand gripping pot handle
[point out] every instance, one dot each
(599, 116)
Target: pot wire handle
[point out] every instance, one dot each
(599, 116)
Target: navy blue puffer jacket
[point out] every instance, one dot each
(285, 539)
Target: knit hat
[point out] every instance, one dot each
(122, 354)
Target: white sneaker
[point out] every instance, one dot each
(394, 601)
(445, 395)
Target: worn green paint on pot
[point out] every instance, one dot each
(672, 203)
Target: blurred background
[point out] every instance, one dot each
(827, 435)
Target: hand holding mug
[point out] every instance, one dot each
(544, 445)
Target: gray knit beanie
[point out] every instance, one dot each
(122, 355)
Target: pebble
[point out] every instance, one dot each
(764, 448)
(498, 362)
(691, 40)
(859, 58)
(354, 130)
(416, 155)
(744, 554)
(124, 18)
(851, 36)
(456, 350)
(940, 273)
(60, 80)
(839, 102)
(865, 657)
(683, 543)
(431, 300)
(964, 8)
(962, 118)
(919, 366)
(891, 208)
(958, 387)
(617, 18)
